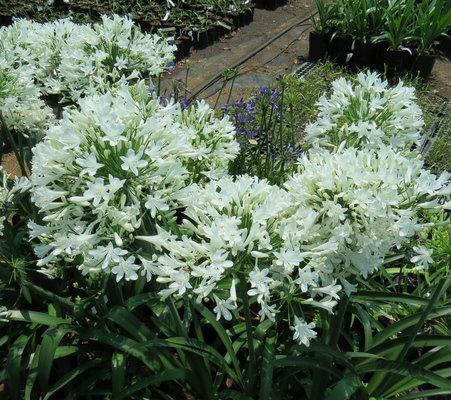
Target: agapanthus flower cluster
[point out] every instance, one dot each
(76, 60)
(236, 228)
(108, 170)
(366, 114)
(355, 205)
(20, 105)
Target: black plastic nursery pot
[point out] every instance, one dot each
(341, 50)
(392, 63)
(319, 46)
(423, 66)
(363, 54)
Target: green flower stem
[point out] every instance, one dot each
(251, 371)
(281, 133)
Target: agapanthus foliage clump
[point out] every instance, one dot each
(103, 174)
(366, 113)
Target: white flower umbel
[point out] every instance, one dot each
(116, 168)
(232, 228)
(233, 234)
(22, 109)
(351, 207)
(76, 60)
(366, 114)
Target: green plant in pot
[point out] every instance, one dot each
(400, 20)
(364, 19)
(322, 22)
(433, 20)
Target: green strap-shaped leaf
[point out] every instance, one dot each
(130, 323)
(141, 299)
(128, 346)
(307, 362)
(71, 375)
(14, 361)
(225, 339)
(50, 341)
(202, 349)
(388, 297)
(32, 374)
(34, 317)
(425, 394)
(345, 388)
(400, 326)
(118, 372)
(232, 394)
(403, 368)
(268, 356)
(157, 379)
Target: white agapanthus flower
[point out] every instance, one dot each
(22, 109)
(422, 258)
(303, 332)
(73, 60)
(4, 314)
(235, 230)
(116, 168)
(351, 207)
(366, 114)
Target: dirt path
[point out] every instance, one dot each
(279, 57)
(275, 56)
